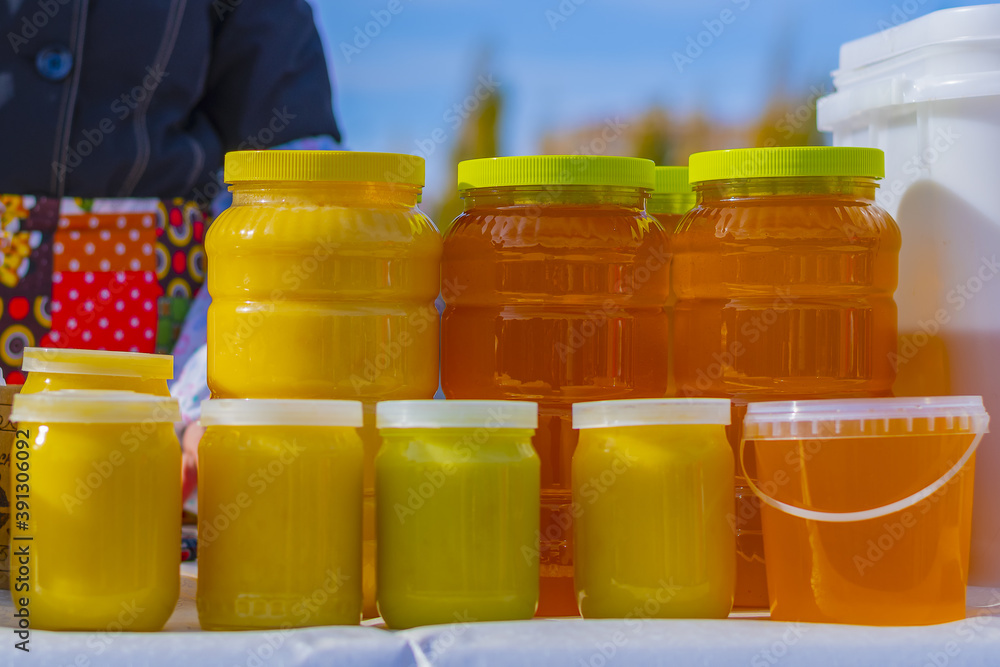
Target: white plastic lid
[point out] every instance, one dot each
(652, 411)
(280, 412)
(456, 414)
(98, 362)
(947, 54)
(963, 25)
(857, 417)
(94, 406)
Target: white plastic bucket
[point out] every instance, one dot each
(927, 92)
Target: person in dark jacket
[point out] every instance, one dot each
(136, 98)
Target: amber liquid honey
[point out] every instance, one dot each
(784, 291)
(555, 303)
(669, 222)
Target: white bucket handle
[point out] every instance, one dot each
(862, 515)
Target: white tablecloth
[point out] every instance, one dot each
(545, 643)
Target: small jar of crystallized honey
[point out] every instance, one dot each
(279, 529)
(457, 490)
(653, 500)
(97, 517)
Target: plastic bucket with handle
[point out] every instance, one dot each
(867, 506)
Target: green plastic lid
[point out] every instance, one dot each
(498, 172)
(671, 181)
(673, 194)
(787, 161)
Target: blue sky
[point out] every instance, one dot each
(561, 64)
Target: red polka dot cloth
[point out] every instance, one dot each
(102, 274)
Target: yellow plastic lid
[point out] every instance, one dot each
(280, 412)
(785, 161)
(432, 413)
(556, 170)
(344, 166)
(94, 406)
(98, 362)
(652, 412)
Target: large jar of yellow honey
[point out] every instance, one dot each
(323, 276)
(784, 273)
(96, 511)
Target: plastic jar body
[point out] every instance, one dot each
(458, 516)
(325, 290)
(113, 486)
(555, 295)
(653, 536)
(279, 535)
(805, 265)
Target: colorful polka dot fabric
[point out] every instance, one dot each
(103, 274)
